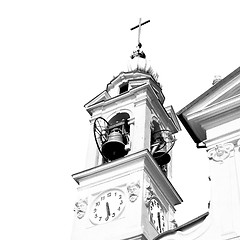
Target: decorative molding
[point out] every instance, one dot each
(238, 144)
(173, 224)
(81, 207)
(133, 191)
(148, 190)
(220, 152)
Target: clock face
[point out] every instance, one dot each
(156, 215)
(107, 206)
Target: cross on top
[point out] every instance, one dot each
(137, 52)
(139, 28)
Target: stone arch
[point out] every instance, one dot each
(124, 112)
(121, 116)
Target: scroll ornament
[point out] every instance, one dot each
(220, 152)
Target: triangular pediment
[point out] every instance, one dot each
(128, 76)
(226, 89)
(231, 93)
(133, 78)
(99, 98)
(215, 106)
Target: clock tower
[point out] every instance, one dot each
(126, 191)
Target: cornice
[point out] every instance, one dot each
(210, 117)
(210, 91)
(229, 137)
(141, 94)
(141, 160)
(119, 97)
(206, 112)
(215, 109)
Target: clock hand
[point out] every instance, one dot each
(108, 209)
(159, 221)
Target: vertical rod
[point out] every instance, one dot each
(139, 30)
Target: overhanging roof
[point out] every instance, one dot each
(220, 100)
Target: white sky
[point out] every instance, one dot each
(57, 55)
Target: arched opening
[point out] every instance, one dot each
(123, 88)
(118, 118)
(159, 146)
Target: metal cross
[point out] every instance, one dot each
(139, 28)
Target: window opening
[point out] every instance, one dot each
(123, 88)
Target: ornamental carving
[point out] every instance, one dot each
(173, 224)
(148, 190)
(133, 191)
(220, 152)
(81, 207)
(149, 193)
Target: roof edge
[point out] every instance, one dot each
(182, 113)
(228, 78)
(183, 226)
(189, 129)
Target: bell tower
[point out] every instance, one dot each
(126, 191)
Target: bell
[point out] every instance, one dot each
(161, 158)
(157, 136)
(114, 147)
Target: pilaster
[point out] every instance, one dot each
(225, 187)
(142, 114)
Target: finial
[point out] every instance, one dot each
(217, 78)
(138, 52)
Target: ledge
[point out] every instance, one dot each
(141, 160)
(183, 227)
